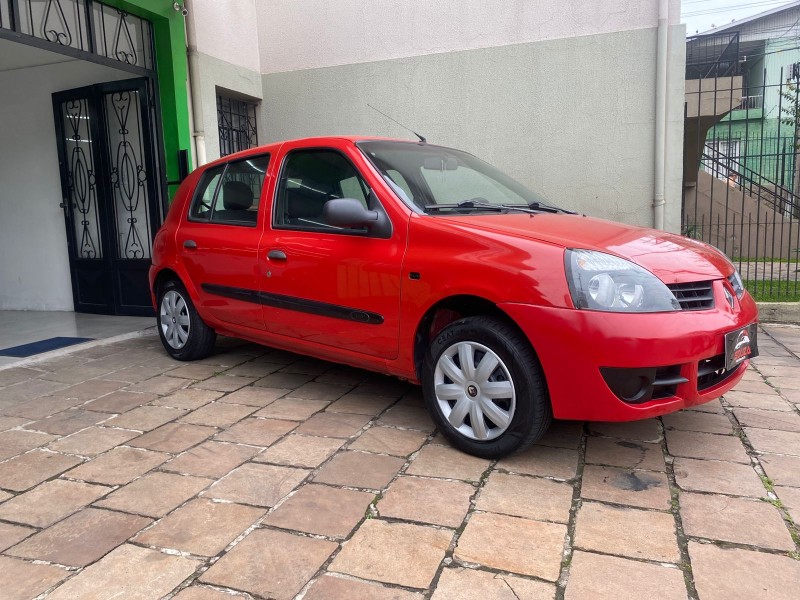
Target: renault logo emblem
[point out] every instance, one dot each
(728, 297)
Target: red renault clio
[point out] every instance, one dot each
(427, 263)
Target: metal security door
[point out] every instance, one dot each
(110, 194)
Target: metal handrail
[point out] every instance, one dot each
(751, 102)
(786, 201)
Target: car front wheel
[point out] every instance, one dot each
(183, 333)
(485, 388)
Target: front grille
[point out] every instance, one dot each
(697, 295)
(711, 371)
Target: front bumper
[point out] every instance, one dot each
(574, 345)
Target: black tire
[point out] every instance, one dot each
(532, 412)
(200, 338)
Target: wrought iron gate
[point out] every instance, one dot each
(111, 201)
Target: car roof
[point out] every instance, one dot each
(273, 147)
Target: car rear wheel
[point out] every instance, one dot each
(183, 333)
(485, 388)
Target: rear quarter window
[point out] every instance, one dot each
(204, 194)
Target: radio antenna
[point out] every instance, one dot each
(421, 138)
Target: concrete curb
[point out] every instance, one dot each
(779, 312)
(27, 362)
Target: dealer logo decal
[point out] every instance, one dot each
(742, 348)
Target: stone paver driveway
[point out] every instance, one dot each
(258, 473)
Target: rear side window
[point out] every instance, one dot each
(229, 194)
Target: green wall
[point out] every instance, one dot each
(765, 147)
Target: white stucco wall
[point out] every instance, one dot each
(227, 30)
(34, 270)
(307, 34)
(233, 80)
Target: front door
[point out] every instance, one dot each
(324, 284)
(110, 194)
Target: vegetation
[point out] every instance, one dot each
(692, 230)
(791, 110)
(773, 291)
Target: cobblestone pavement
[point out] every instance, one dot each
(263, 474)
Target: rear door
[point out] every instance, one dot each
(219, 240)
(323, 284)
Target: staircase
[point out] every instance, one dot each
(741, 212)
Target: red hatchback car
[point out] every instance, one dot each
(427, 263)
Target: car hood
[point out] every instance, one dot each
(672, 258)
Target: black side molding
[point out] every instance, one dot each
(313, 307)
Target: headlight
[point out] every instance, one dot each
(736, 283)
(599, 281)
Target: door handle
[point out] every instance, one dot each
(190, 244)
(276, 255)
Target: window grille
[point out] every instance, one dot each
(237, 124)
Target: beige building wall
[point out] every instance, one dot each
(228, 58)
(561, 95)
(227, 30)
(309, 34)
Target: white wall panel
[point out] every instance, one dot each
(306, 34)
(34, 265)
(227, 30)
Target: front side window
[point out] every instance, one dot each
(439, 180)
(309, 179)
(229, 194)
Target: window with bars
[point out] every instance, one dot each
(237, 124)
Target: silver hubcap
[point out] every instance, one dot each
(174, 319)
(474, 391)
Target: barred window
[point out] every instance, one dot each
(237, 124)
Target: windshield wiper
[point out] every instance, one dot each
(477, 205)
(540, 207)
(532, 208)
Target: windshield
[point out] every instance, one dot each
(439, 180)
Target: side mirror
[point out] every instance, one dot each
(348, 212)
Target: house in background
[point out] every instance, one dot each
(756, 134)
(741, 168)
(104, 104)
